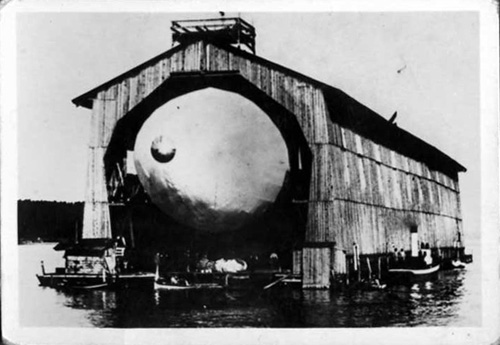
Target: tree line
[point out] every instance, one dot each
(48, 220)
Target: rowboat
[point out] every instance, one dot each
(175, 282)
(453, 264)
(90, 287)
(165, 285)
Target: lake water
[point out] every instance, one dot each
(451, 300)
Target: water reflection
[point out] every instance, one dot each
(431, 303)
(195, 299)
(95, 299)
(100, 305)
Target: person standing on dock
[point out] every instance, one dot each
(274, 262)
(187, 260)
(394, 256)
(427, 258)
(402, 254)
(401, 257)
(203, 264)
(253, 262)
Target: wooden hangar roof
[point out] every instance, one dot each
(342, 108)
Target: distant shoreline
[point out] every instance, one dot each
(37, 241)
(48, 221)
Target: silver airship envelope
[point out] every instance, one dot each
(211, 159)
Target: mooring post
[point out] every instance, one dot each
(131, 227)
(359, 272)
(379, 268)
(333, 263)
(357, 261)
(369, 268)
(347, 270)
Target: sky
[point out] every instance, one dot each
(424, 65)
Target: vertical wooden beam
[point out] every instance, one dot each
(316, 266)
(96, 217)
(297, 261)
(369, 268)
(131, 227)
(379, 267)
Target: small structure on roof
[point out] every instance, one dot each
(234, 31)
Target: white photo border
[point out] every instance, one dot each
(485, 334)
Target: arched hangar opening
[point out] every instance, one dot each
(221, 169)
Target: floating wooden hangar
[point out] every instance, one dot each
(363, 183)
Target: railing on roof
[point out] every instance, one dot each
(224, 30)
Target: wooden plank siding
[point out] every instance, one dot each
(359, 192)
(379, 194)
(96, 218)
(316, 267)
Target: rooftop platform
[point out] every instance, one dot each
(234, 31)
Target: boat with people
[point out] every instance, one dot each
(179, 284)
(420, 265)
(210, 275)
(228, 274)
(414, 272)
(459, 260)
(410, 275)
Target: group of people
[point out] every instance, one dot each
(425, 255)
(398, 256)
(424, 259)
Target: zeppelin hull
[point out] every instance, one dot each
(211, 159)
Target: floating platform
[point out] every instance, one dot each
(92, 281)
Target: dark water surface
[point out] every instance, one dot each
(451, 300)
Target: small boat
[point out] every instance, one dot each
(453, 264)
(375, 285)
(74, 281)
(415, 271)
(458, 264)
(467, 258)
(410, 275)
(92, 264)
(167, 285)
(176, 282)
(90, 287)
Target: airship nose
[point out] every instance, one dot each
(211, 159)
(162, 149)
